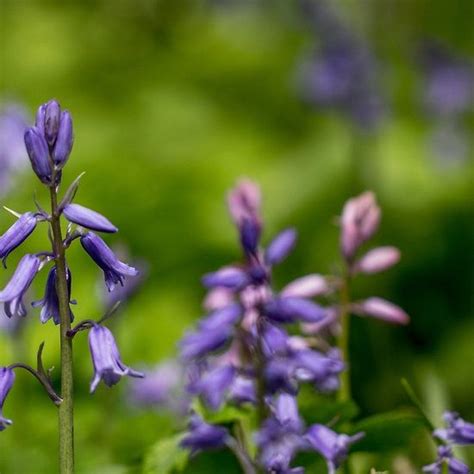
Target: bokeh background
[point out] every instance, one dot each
(172, 102)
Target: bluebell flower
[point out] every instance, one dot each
(12, 294)
(279, 375)
(198, 344)
(334, 447)
(213, 385)
(445, 457)
(64, 140)
(17, 234)
(38, 153)
(106, 358)
(229, 277)
(202, 435)
(50, 303)
(222, 317)
(49, 116)
(114, 270)
(458, 431)
(280, 246)
(242, 390)
(289, 310)
(88, 218)
(7, 377)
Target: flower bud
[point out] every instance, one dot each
(307, 287)
(377, 260)
(288, 310)
(52, 118)
(17, 234)
(381, 309)
(244, 202)
(229, 277)
(280, 247)
(88, 218)
(37, 149)
(64, 140)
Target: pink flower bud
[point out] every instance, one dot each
(381, 309)
(217, 298)
(307, 287)
(378, 260)
(360, 220)
(244, 202)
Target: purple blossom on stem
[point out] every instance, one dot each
(88, 218)
(202, 435)
(106, 358)
(7, 377)
(458, 431)
(445, 457)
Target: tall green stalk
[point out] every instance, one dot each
(344, 393)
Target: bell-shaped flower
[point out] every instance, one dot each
(17, 234)
(242, 390)
(12, 294)
(458, 431)
(222, 317)
(88, 218)
(7, 377)
(64, 140)
(106, 358)
(280, 247)
(289, 310)
(334, 447)
(114, 270)
(446, 458)
(359, 221)
(381, 309)
(198, 344)
(228, 277)
(202, 436)
(50, 303)
(307, 287)
(38, 153)
(377, 260)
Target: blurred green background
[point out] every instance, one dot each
(172, 102)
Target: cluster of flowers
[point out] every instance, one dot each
(243, 352)
(49, 144)
(458, 432)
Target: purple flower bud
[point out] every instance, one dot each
(360, 220)
(307, 287)
(280, 247)
(64, 141)
(50, 116)
(381, 309)
(19, 283)
(106, 358)
(243, 390)
(287, 310)
(203, 436)
(275, 340)
(197, 344)
(88, 218)
(40, 118)
(250, 231)
(37, 149)
(217, 298)
(286, 412)
(7, 377)
(213, 385)
(445, 456)
(50, 302)
(332, 446)
(223, 317)
(229, 277)
(244, 202)
(17, 234)
(114, 270)
(377, 260)
(279, 375)
(458, 431)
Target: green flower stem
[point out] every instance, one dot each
(344, 393)
(66, 418)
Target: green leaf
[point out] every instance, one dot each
(166, 456)
(388, 431)
(228, 414)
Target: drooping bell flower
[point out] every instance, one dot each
(280, 247)
(334, 447)
(12, 294)
(38, 153)
(202, 435)
(17, 234)
(50, 302)
(106, 358)
(88, 218)
(458, 431)
(114, 270)
(7, 377)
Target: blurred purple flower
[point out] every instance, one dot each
(202, 435)
(377, 260)
(280, 247)
(7, 377)
(445, 457)
(381, 309)
(458, 431)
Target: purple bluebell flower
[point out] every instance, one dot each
(106, 358)
(213, 385)
(37, 149)
(250, 231)
(17, 234)
(280, 246)
(114, 270)
(288, 310)
(445, 457)
(198, 344)
(12, 294)
(275, 340)
(242, 390)
(334, 447)
(88, 218)
(222, 317)
(377, 260)
(279, 375)
(458, 431)
(64, 141)
(50, 304)
(7, 377)
(228, 277)
(381, 309)
(202, 435)
(49, 116)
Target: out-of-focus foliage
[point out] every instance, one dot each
(172, 101)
